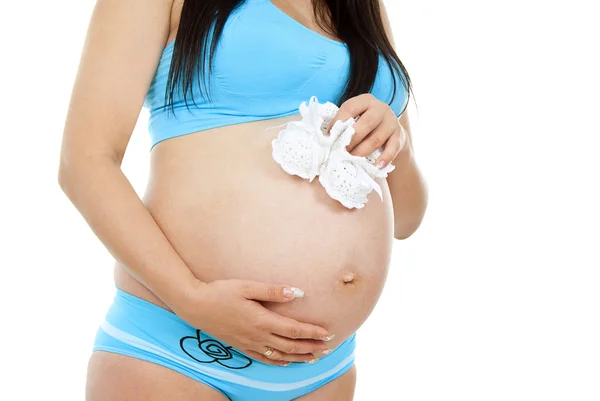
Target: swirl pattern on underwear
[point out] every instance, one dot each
(213, 351)
(305, 149)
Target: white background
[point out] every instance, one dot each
(496, 297)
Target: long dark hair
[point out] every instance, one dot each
(357, 23)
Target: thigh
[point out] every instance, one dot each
(340, 389)
(116, 377)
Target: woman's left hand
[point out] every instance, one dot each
(377, 127)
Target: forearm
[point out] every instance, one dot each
(109, 204)
(409, 192)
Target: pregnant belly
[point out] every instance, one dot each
(231, 212)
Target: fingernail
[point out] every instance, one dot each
(327, 351)
(293, 292)
(328, 338)
(313, 360)
(286, 364)
(381, 164)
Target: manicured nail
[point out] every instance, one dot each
(293, 292)
(327, 351)
(328, 338)
(286, 364)
(381, 164)
(313, 360)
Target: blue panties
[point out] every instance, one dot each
(143, 330)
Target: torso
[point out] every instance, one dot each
(230, 211)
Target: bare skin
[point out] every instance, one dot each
(224, 179)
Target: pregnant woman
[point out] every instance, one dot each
(234, 278)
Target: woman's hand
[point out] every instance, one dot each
(377, 127)
(229, 311)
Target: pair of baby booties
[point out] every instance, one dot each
(305, 149)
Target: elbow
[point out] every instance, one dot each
(66, 177)
(65, 168)
(63, 177)
(68, 183)
(402, 235)
(407, 225)
(72, 171)
(78, 166)
(407, 221)
(405, 231)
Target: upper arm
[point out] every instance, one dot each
(386, 23)
(123, 45)
(404, 121)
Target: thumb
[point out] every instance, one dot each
(271, 292)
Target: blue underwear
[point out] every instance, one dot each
(143, 330)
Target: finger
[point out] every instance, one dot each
(281, 356)
(353, 107)
(304, 358)
(373, 141)
(270, 292)
(390, 151)
(341, 115)
(298, 346)
(272, 353)
(286, 361)
(364, 127)
(260, 357)
(290, 328)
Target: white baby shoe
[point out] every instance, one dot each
(304, 148)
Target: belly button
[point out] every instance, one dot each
(348, 278)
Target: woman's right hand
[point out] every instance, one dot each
(230, 311)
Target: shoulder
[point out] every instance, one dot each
(386, 21)
(176, 7)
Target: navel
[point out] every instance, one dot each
(348, 278)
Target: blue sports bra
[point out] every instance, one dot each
(265, 64)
